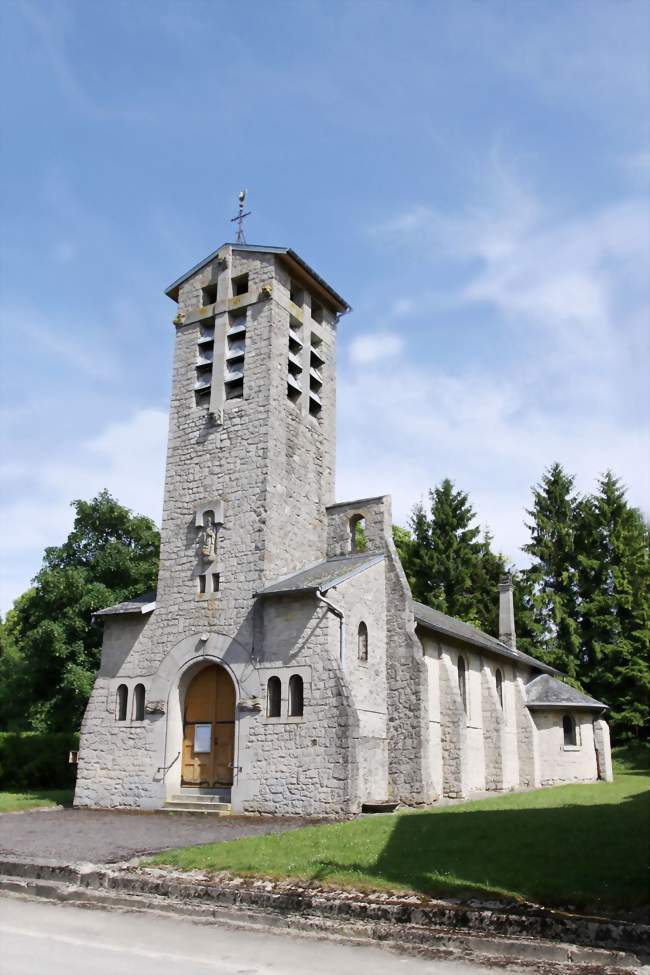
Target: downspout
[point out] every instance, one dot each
(341, 615)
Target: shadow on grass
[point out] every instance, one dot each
(586, 856)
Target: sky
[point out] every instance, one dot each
(471, 176)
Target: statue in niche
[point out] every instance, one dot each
(208, 537)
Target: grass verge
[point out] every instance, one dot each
(38, 799)
(580, 846)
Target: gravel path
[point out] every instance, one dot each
(98, 836)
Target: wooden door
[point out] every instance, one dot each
(209, 730)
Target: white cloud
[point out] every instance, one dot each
(375, 347)
(126, 457)
(568, 294)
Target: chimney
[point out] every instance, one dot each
(507, 633)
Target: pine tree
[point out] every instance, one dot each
(448, 565)
(552, 577)
(614, 581)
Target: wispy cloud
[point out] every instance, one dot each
(368, 349)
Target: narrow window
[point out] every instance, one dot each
(296, 697)
(316, 311)
(204, 361)
(121, 702)
(362, 643)
(273, 697)
(294, 362)
(215, 582)
(499, 683)
(462, 682)
(240, 285)
(202, 583)
(569, 728)
(358, 542)
(296, 294)
(138, 703)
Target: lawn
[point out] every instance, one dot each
(582, 846)
(38, 799)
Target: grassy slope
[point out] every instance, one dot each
(39, 799)
(577, 845)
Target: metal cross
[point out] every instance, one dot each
(239, 219)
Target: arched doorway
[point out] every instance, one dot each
(209, 730)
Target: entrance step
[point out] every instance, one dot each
(213, 805)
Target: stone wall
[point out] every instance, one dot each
(560, 762)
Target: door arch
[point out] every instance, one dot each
(209, 729)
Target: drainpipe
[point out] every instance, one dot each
(341, 615)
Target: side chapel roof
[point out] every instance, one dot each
(324, 575)
(547, 693)
(139, 604)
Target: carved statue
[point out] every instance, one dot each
(208, 537)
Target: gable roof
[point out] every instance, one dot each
(448, 626)
(291, 258)
(139, 604)
(324, 575)
(545, 692)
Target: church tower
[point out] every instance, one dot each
(251, 450)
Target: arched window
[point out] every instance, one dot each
(358, 533)
(462, 682)
(274, 697)
(569, 728)
(138, 702)
(362, 643)
(499, 683)
(296, 696)
(121, 702)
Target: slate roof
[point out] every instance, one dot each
(292, 258)
(448, 626)
(139, 604)
(324, 575)
(545, 692)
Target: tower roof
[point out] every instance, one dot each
(293, 261)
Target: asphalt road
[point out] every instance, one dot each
(38, 938)
(107, 836)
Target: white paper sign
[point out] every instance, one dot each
(202, 737)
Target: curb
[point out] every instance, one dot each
(534, 938)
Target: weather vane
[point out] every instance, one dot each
(239, 219)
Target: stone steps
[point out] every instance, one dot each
(199, 802)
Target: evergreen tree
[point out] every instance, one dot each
(52, 645)
(448, 565)
(614, 581)
(552, 577)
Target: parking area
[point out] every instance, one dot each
(101, 836)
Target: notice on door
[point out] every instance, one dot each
(202, 738)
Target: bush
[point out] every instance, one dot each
(30, 760)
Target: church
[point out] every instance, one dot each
(282, 666)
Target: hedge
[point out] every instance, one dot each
(29, 760)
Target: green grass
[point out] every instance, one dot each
(38, 799)
(581, 846)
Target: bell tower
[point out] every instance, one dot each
(251, 449)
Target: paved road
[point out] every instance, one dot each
(38, 938)
(98, 836)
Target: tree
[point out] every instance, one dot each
(552, 577)
(614, 582)
(449, 566)
(110, 555)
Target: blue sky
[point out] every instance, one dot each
(472, 177)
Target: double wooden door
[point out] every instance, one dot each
(209, 730)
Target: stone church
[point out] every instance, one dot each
(282, 666)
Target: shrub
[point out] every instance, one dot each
(31, 760)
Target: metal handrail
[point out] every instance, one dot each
(165, 768)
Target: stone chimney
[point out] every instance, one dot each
(507, 633)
